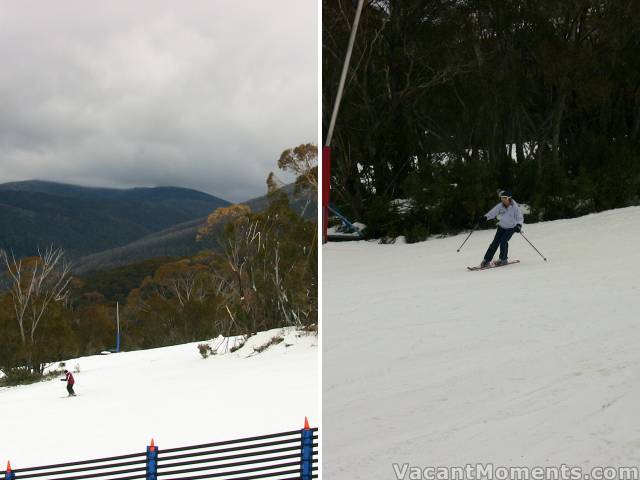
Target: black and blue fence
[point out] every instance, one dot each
(278, 456)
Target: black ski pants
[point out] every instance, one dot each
(70, 389)
(503, 235)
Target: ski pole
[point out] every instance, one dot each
(533, 246)
(465, 240)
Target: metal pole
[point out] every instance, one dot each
(326, 151)
(117, 327)
(306, 453)
(8, 474)
(343, 76)
(544, 258)
(152, 462)
(465, 240)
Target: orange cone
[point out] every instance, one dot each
(152, 447)
(8, 467)
(306, 423)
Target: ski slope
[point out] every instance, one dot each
(536, 363)
(171, 394)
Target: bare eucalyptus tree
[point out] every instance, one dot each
(35, 284)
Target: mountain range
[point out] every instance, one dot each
(102, 228)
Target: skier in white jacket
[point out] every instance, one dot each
(510, 221)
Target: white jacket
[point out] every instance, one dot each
(509, 216)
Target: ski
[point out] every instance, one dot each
(492, 265)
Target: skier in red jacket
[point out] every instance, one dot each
(70, 381)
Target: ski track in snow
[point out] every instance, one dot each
(536, 363)
(170, 394)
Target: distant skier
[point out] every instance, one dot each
(70, 382)
(511, 221)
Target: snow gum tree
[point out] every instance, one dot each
(38, 287)
(267, 272)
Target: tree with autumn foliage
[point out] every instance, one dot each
(268, 271)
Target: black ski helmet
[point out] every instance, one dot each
(504, 193)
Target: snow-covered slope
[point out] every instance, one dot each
(531, 364)
(170, 394)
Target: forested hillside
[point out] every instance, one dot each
(245, 270)
(446, 102)
(86, 220)
(178, 240)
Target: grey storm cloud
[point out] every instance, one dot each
(203, 94)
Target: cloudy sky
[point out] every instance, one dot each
(202, 94)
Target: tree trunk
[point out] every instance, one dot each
(558, 113)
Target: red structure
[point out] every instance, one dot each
(326, 151)
(326, 190)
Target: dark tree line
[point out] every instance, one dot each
(447, 101)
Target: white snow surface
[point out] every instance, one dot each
(535, 364)
(170, 394)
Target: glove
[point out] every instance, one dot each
(518, 228)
